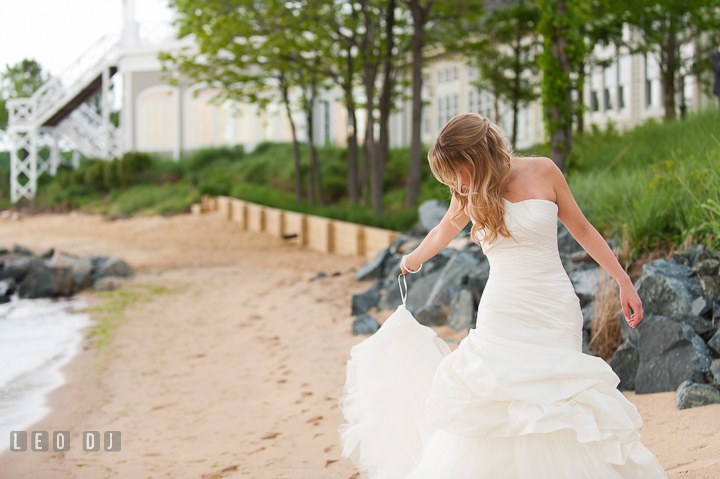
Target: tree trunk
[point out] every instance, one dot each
(516, 90)
(369, 150)
(581, 99)
(314, 167)
(561, 139)
(668, 72)
(352, 174)
(378, 166)
(414, 178)
(296, 144)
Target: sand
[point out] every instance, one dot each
(235, 370)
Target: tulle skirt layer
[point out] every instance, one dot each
(556, 455)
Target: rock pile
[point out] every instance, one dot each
(53, 273)
(676, 345)
(674, 348)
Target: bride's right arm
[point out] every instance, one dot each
(438, 237)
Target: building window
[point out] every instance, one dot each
(595, 85)
(652, 82)
(441, 112)
(326, 121)
(425, 121)
(156, 119)
(609, 80)
(623, 79)
(440, 76)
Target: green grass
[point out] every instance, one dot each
(663, 189)
(111, 310)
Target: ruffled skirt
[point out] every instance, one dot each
(497, 408)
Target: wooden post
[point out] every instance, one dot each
(377, 239)
(348, 238)
(255, 217)
(296, 223)
(239, 213)
(320, 234)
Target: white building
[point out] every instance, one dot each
(174, 120)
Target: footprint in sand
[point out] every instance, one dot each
(282, 380)
(315, 420)
(328, 448)
(330, 461)
(255, 317)
(271, 435)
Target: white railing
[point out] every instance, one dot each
(57, 91)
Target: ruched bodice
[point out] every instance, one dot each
(527, 271)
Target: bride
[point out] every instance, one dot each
(517, 399)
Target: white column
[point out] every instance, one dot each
(177, 144)
(106, 111)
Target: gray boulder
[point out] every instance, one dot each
(437, 313)
(462, 310)
(108, 283)
(47, 254)
(19, 249)
(571, 266)
(373, 268)
(455, 272)
(585, 282)
(696, 253)
(44, 282)
(18, 268)
(702, 306)
(710, 286)
(431, 212)
(7, 286)
(625, 363)
(714, 344)
(665, 288)
(670, 353)
(417, 296)
(587, 312)
(390, 297)
(361, 303)
(478, 278)
(567, 244)
(365, 324)
(81, 268)
(707, 267)
(690, 394)
(110, 267)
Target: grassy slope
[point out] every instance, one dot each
(663, 189)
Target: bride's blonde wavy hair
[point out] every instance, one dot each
(471, 139)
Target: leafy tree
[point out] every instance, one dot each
(434, 24)
(563, 48)
(245, 49)
(664, 28)
(19, 81)
(506, 57)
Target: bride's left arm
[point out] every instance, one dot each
(592, 241)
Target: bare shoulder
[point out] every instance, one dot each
(547, 177)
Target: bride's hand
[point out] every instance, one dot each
(630, 299)
(409, 264)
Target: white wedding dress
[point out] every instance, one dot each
(517, 399)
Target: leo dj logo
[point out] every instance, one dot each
(40, 441)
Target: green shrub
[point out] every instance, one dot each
(111, 174)
(95, 175)
(131, 165)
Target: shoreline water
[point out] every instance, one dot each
(37, 338)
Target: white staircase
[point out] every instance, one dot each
(55, 112)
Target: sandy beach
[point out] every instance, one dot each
(236, 368)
